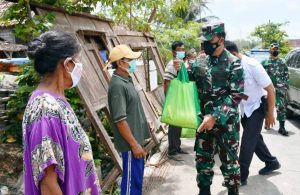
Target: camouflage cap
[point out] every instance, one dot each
(211, 30)
(274, 45)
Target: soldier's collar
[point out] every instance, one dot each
(221, 58)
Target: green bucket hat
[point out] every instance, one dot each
(211, 30)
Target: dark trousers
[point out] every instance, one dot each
(174, 135)
(252, 141)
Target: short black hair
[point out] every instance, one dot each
(222, 34)
(49, 48)
(231, 46)
(176, 44)
(114, 65)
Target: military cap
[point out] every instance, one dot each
(274, 45)
(210, 31)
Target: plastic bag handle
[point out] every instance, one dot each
(183, 74)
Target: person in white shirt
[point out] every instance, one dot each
(254, 110)
(174, 132)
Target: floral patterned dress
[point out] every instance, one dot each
(52, 135)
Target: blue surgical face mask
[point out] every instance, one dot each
(180, 54)
(132, 65)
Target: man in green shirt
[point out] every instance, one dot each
(129, 121)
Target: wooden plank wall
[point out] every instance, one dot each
(94, 83)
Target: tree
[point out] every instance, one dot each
(245, 45)
(168, 20)
(189, 34)
(195, 10)
(272, 33)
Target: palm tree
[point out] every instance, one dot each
(196, 9)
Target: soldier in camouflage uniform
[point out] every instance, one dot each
(278, 72)
(220, 83)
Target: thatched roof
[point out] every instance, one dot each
(10, 47)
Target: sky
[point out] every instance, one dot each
(242, 16)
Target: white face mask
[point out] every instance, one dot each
(76, 73)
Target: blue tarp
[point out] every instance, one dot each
(103, 54)
(17, 61)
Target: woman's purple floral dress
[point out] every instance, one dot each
(52, 135)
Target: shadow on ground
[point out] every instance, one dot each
(295, 121)
(275, 132)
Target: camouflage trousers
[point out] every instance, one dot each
(206, 147)
(281, 104)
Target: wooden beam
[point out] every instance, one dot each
(129, 33)
(99, 60)
(101, 132)
(8, 54)
(110, 178)
(96, 32)
(143, 45)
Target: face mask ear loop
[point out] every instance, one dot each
(66, 62)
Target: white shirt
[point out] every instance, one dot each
(256, 79)
(170, 71)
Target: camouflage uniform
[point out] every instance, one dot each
(278, 72)
(220, 86)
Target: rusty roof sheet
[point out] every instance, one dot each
(6, 46)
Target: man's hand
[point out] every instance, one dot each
(269, 120)
(207, 123)
(49, 183)
(138, 151)
(176, 64)
(150, 125)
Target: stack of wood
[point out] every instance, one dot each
(8, 86)
(4, 97)
(7, 49)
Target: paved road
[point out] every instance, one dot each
(179, 177)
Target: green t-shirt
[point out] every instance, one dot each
(125, 104)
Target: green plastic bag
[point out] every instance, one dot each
(181, 107)
(188, 133)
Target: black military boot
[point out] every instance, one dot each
(205, 190)
(282, 129)
(233, 191)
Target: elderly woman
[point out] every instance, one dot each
(57, 154)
